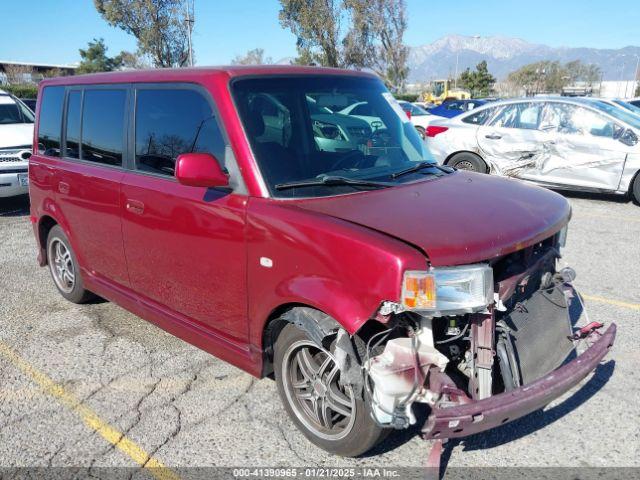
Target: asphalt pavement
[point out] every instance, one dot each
(96, 386)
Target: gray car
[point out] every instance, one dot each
(575, 144)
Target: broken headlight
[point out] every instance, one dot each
(448, 290)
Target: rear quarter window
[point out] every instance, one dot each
(479, 118)
(50, 124)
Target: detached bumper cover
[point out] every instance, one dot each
(481, 415)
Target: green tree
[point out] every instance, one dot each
(350, 33)
(94, 58)
(158, 25)
(479, 82)
(252, 57)
(551, 76)
(317, 26)
(376, 39)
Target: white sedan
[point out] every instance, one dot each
(578, 144)
(418, 115)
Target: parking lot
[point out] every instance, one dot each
(95, 386)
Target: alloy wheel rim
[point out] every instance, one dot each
(465, 165)
(311, 382)
(61, 265)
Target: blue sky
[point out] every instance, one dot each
(51, 31)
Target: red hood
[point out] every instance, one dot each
(457, 219)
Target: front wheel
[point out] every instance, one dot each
(635, 190)
(328, 413)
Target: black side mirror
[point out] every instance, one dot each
(629, 138)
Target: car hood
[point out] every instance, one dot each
(16, 135)
(457, 219)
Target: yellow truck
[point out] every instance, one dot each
(441, 90)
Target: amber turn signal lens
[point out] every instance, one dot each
(419, 290)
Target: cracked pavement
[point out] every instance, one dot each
(187, 408)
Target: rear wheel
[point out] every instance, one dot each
(328, 413)
(468, 161)
(64, 267)
(421, 131)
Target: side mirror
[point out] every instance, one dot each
(200, 170)
(628, 138)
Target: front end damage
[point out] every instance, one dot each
(484, 368)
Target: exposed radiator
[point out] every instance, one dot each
(538, 329)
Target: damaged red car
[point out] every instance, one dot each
(238, 209)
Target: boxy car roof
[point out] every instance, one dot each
(194, 73)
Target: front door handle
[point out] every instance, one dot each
(63, 187)
(493, 136)
(135, 206)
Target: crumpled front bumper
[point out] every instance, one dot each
(481, 415)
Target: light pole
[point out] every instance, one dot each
(455, 80)
(189, 20)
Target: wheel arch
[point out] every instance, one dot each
(296, 313)
(45, 224)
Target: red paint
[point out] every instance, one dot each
(188, 258)
(433, 130)
(200, 170)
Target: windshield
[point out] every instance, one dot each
(13, 111)
(619, 113)
(306, 129)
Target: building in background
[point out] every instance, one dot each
(25, 73)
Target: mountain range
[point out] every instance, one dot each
(506, 54)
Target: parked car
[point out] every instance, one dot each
(16, 137)
(418, 116)
(565, 143)
(635, 102)
(616, 102)
(364, 280)
(454, 108)
(29, 102)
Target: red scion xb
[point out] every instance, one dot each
(240, 210)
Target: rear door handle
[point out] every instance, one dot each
(63, 187)
(135, 206)
(493, 136)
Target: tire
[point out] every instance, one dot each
(468, 161)
(296, 359)
(635, 190)
(64, 267)
(422, 133)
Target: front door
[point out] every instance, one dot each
(512, 142)
(583, 150)
(184, 245)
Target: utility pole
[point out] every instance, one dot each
(189, 20)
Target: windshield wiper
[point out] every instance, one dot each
(332, 181)
(416, 167)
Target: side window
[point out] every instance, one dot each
(519, 115)
(50, 123)
(170, 122)
(73, 124)
(103, 126)
(573, 120)
(479, 118)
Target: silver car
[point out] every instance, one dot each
(576, 144)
